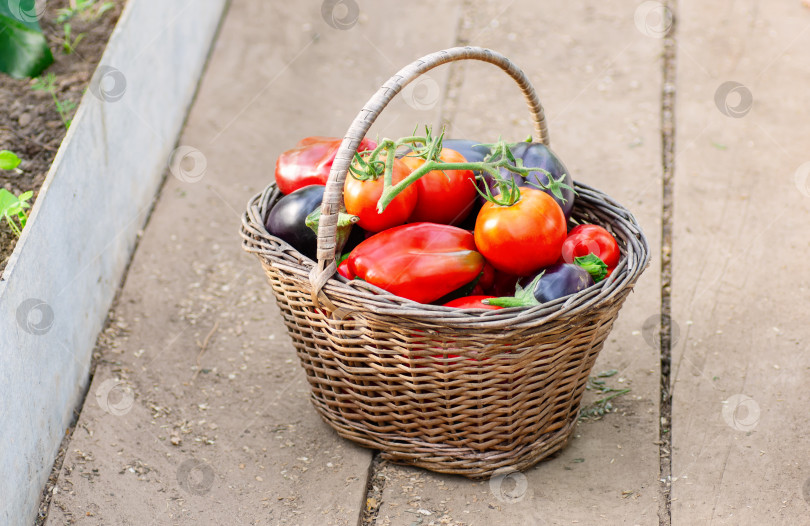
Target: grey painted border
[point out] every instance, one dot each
(63, 274)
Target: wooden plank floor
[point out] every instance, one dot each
(199, 413)
(740, 289)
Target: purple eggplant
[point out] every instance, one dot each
(296, 216)
(553, 282)
(557, 281)
(473, 151)
(287, 219)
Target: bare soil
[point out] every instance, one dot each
(30, 125)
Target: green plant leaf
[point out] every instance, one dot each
(8, 160)
(595, 266)
(7, 201)
(106, 6)
(64, 14)
(24, 51)
(12, 206)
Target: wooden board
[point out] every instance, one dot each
(740, 286)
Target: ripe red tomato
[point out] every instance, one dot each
(591, 239)
(524, 237)
(361, 198)
(444, 197)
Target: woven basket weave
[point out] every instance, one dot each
(451, 390)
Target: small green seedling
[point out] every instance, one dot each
(84, 8)
(9, 161)
(598, 408)
(87, 10)
(68, 42)
(48, 85)
(13, 207)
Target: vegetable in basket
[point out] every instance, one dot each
(287, 219)
(364, 187)
(472, 302)
(310, 162)
(554, 282)
(474, 152)
(521, 231)
(539, 155)
(418, 261)
(294, 218)
(591, 239)
(343, 267)
(443, 196)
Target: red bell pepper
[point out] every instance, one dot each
(418, 261)
(343, 268)
(309, 162)
(472, 302)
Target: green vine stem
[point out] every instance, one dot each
(429, 148)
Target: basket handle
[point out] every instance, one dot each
(333, 194)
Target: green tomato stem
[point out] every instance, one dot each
(593, 265)
(388, 180)
(500, 157)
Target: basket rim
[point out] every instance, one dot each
(358, 298)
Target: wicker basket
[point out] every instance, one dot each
(450, 390)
